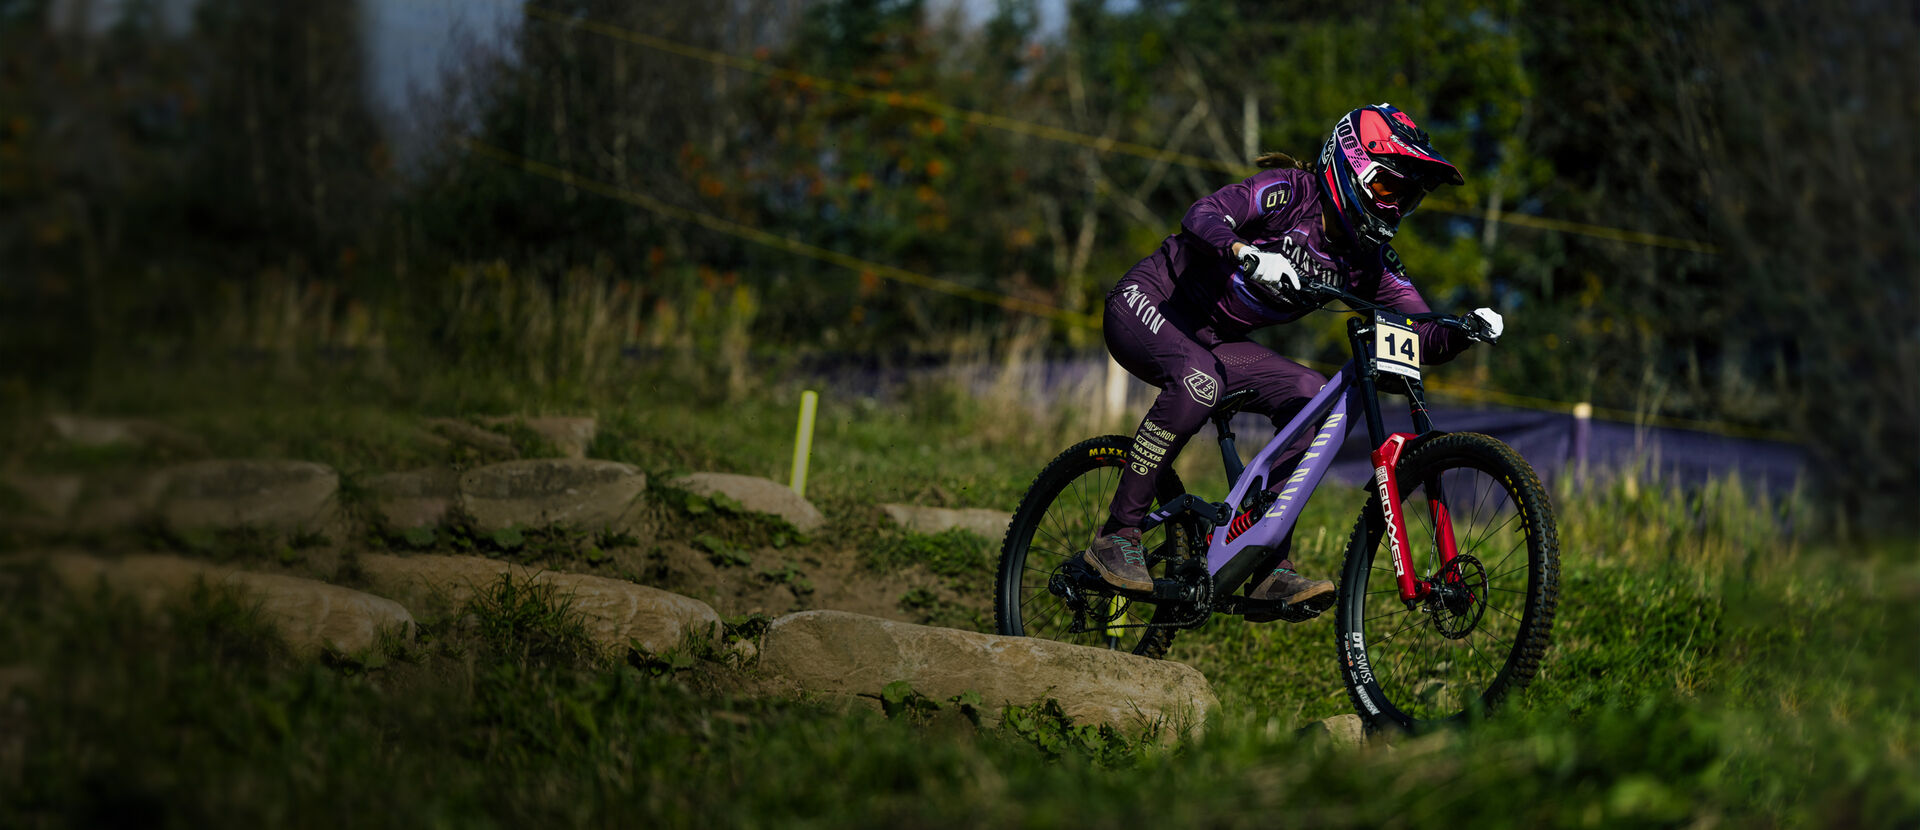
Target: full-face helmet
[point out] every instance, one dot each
(1376, 167)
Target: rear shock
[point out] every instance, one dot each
(1250, 513)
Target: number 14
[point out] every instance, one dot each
(1400, 345)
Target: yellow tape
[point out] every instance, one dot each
(1102, 144)
(1014, 303)
(783, 243)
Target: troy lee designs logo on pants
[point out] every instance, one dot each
(1202, 387)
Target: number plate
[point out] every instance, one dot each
(1396, 348)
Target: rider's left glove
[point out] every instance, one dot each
(1490, 325)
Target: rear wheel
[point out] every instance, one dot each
(1058, 518)
(1482, 633)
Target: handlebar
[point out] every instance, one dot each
(1356, 305)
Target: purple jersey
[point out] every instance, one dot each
(1278, 211)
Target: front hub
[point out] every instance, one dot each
(1456, 598)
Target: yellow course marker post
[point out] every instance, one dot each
(803, 442)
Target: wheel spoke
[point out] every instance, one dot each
(1380, 616)
(1495, 670)
(1051, 616)
(1058, 541)
(1504, 611)
(1511, 551)
(1475, 544)
(1517, 568)
(1402, 630)
(1426, 674)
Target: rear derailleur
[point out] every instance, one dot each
(1097, 606)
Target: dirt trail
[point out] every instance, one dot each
(780, 581)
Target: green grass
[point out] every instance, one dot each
(1715, 662)
(496, 727)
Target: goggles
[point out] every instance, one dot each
(1390, 190)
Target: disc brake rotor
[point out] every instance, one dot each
(1459, 596)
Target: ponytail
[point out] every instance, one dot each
(1271, 160)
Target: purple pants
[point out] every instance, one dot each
(1157, 340)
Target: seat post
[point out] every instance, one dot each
(1223, 424)
(1222, 417)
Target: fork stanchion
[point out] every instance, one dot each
(803, 442)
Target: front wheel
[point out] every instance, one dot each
(1481, 634)
(1057, 519)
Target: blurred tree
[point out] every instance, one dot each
(150, 166)
(287, 153)
(1807, 177)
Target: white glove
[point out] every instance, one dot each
(1490, 325)
(1272, 269)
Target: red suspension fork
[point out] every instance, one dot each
(1386, 460)
(1442, 522)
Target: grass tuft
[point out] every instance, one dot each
(531, 620)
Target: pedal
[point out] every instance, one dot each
(1301, 613)
(1277, 610)
(1083, 576)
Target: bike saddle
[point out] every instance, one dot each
(1223, 411)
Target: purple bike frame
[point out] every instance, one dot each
(1337, 395)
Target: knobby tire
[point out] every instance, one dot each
(1445, 683)
(1087, 462)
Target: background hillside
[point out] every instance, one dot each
(1693, 212)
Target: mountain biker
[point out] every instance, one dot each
(1180, 318)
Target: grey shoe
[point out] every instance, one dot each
(1294, 597)
(1120, 560)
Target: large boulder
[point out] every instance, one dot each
(758, 495)
(1340, 731)
(991, 524)
(39, 501)
(87, 431)
(312, 616)
(116, 500)
(416, 498)
(849, 654)
(616, 612)
(280, 495)
(490, 445)
(581, 493)
(571, 436)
